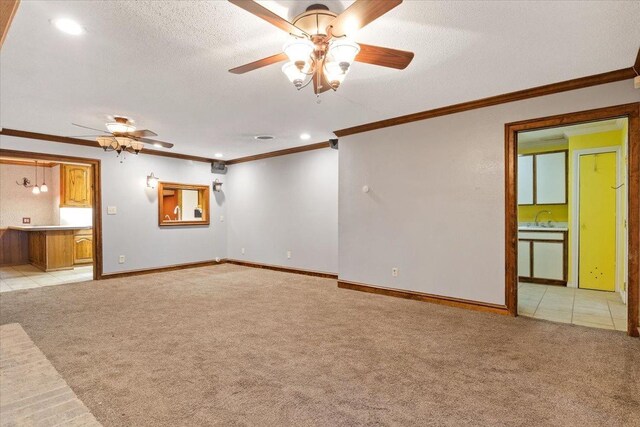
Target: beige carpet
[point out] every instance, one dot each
(229, 345)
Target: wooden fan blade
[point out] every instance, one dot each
(155, 142)
(142, 132)
(384, 56)
(87, 127)
(359, 14)
(264, 13)
(259, 63)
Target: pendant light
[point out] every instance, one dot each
(36, 189)
(43, 187)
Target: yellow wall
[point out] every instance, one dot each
(595, 140)
(559, 213)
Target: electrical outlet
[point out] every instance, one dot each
(242, 251)
(394, 271)
(121, 259)
(288, 254)
(26, 220)
(221, 218)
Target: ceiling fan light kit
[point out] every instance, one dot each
(320, 50)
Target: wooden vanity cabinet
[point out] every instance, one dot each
(75, 186)
(543, 257)
(83, 247)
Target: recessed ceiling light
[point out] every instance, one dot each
(218, 155)
(68, 26)
(305, 136)
(263, 137)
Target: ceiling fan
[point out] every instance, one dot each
(122, 135)
(320, 50)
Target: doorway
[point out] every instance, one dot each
(56, 237)
(596, 224)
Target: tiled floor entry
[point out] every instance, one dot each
(584, 307)
(27, 277)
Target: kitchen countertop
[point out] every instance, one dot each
(48, 227)
(539, 228)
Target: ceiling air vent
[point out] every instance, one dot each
(264, 137)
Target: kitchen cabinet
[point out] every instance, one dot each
(542, 178)
(543, 257)
(551, 178)
(83, 247)
(51, 250)
(76, 186)
(525, 180)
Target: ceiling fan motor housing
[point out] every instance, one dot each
(315, 20)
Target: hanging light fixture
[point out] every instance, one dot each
(120, 144)
(43, 187)
(36, 189)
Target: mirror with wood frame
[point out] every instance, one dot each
(182, 204)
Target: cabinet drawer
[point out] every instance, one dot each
(540, 235)
(87, 232)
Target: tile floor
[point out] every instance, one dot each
(27, 277)
(584, 307)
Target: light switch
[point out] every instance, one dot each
(112, 210)
(221, 218)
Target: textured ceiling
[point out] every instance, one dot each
(165, 65)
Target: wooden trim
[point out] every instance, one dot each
(540, 281)
(27, 163)
(8, 9)
(203, 191)
(96, 196)
(632, 113)
(84, 143)
(420, 296)
(161, 269)
(636, 64)
(284, 152)
(283, 269)
(567, 85)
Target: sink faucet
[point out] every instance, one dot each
(178, 212)
(538, 214)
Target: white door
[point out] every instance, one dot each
(525, 180)
(548, 260)
(551, 181)
(524, 258)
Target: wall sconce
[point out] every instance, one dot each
(152, 181)
(217, 186)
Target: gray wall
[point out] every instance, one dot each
(435, 208)
(134, 231)
(287, 203)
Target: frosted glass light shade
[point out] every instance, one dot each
(105, 141)
(43, 188)
(343, 51)
(124, 142)
(35, 190)
(136, 145)
(294, 74)
(298, 50)
(117, 127)
(335, 74)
